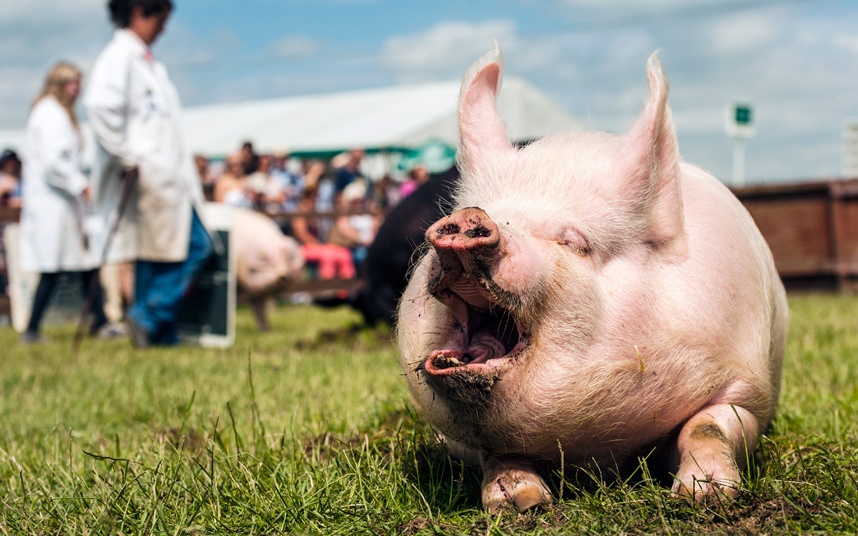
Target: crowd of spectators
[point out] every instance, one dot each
(335, 210)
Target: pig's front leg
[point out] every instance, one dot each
(259, 305)
(711, 448)
(512, 483)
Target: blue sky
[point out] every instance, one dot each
(795, 60)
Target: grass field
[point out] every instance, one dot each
(308, 429)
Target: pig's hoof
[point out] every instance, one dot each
(706, 490)
(517, 486)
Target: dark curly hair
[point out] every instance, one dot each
(120, 10)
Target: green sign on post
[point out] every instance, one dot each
(743, 114)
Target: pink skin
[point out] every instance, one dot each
(72, 89)
(644, 301)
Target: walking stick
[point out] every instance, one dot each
(129, 177)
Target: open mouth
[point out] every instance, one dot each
(485, 334)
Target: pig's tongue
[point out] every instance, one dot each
(489, 332)
(481, 348)
(484, 347)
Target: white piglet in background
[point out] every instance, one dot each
(268, 262)
(592, 297)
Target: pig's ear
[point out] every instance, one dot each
(481, 128)
(649, 166)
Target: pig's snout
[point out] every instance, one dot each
(469, 231)
(466, 242)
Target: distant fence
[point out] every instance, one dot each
(812, 230)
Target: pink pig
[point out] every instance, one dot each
(267, 261)
(591, 297)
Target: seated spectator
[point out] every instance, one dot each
(385, 193)
(231, 188)
(207, 178)
(289, 174)
(268, 194)
(416, 178)
(333, 260)
(249, 158)
(10, 179)
(355, 231)
(316, 180)
(349, 171)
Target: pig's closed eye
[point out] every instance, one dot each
(576, 242)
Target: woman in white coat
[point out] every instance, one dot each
(134, 111)
(55, 198)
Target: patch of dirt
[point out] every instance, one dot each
(420, 524)
(756, 517)
(761, 516)
(189, 440)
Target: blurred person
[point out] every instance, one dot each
(316, 179)
(268, 192)
(332, 259)
(10, 196)
(249, 158)
(231, 187)
(417, 176)
(354, 228)
(350, 170)
(288, 173)
(204, 174)
(385, 193)
(134, 111)
(56, 198)
(314, 173)
(10, 179)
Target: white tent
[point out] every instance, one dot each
(393, 117)
(399, 117)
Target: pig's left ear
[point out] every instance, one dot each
(482, 131)
(648, 166)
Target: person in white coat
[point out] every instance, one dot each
(55, 198)
(134, 111)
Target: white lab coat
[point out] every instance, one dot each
(52, 209)
(135, 113)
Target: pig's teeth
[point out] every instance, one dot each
(443, 362)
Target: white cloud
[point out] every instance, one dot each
(846, 42)
(741, 33)
(444, 51)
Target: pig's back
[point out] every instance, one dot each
(730, 286)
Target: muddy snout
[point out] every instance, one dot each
(467, 242)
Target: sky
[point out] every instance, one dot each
(794, 61)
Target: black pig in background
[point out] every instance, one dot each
(384, 273)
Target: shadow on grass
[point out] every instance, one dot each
(357, 336)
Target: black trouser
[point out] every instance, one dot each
(48, 281)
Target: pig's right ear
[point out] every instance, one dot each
(482, 131)
(648, 167)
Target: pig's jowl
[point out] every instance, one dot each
(593, 295)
